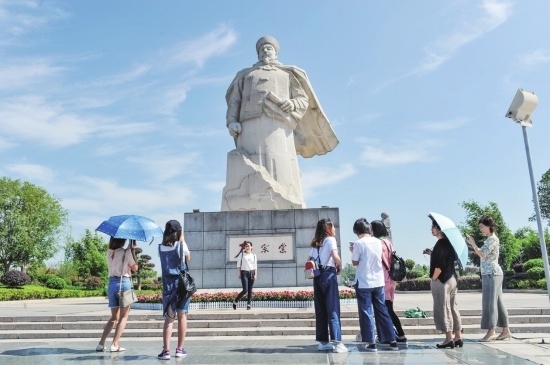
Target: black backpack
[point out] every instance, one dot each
(397, 269)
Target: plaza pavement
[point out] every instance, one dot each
(525, 348)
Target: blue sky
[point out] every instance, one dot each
(118, 107)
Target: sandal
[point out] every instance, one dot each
(117, 349)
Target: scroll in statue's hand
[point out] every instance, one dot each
(287, 105)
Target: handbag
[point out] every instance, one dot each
(186, 286)
(127, 297)
(186, 283)
(312, 270)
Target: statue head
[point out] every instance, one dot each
(267, 39)
(268, 49)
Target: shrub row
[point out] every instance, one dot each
(44, 293)
(464, 283)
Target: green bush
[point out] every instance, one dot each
(509, 273)
(532, 263)
(39, 292)
(541, 284)
(471, 271)
(535, 273)
(526, 284)
(54, 282)
(414, 284)
(15, 279)
(92, 283)
(472, 282)
(415, 274)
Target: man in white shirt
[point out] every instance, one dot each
(369, 287)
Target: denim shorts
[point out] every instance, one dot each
(114, 288)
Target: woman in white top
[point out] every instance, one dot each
(120, 263)
(247, 271)
(326, 296)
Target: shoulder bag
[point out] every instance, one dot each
(127, 297)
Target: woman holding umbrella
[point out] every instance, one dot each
(120, 262)
(444, 288)
(493, 311)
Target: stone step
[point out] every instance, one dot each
(270, 322)
(90, 323)
(221, 315)
(472, 330)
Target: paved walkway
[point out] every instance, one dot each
(524, 349)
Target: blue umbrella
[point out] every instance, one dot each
(132, 227)
(453, 234)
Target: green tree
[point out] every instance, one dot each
(529, 241)
(30, 222)
(88, 256)
(543, 192)
(348, 272)
(145, 268)
(510, 248)
(409, 264)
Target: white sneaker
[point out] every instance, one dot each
(325, 346)
(339, 347)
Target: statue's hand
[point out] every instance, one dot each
(287, 105)
(235, 128)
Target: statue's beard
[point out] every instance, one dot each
(268, 60)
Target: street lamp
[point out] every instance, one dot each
(520, 110)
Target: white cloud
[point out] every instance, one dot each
(19, 17)
(443, 125)
(4, 144)
(314, 179)
(377, 154)
(32, 172)
(19, 74)
(91, 195)
(494, 14)
(32, 119)
(535, 58)
(199, 50)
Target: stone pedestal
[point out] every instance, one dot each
(281, 240)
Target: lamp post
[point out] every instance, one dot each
(520, 110)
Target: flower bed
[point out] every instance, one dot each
(261, 299)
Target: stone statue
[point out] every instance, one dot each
(386, 220)
(273, 115)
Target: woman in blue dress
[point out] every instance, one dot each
(174, 257)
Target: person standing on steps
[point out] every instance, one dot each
(174, 258)
(380, 231)
(120, 262)
(369, 288)
(493, 311)
(326, 297)
(247, 271)
(444, 288)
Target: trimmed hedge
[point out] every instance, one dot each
(45, 293)
(464, 283)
